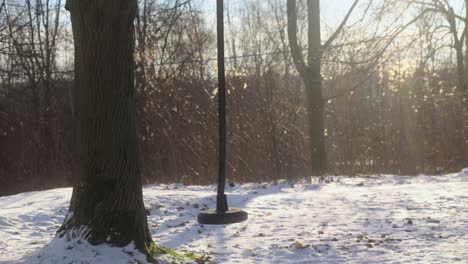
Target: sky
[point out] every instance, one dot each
(332, 11)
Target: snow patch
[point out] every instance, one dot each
(366, 219)
(78, 250)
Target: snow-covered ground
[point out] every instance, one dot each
(372, 219)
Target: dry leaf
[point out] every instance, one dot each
(299, 245)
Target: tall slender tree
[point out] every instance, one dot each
(107, 198)
(310, 73)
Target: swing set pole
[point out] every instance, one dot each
(222, 214)
(221, 200)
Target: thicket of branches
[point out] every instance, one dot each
(394, 82)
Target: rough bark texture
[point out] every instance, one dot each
(311, 76)
(107, 195)
(466, 48)
(465, 110)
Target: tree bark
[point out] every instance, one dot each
(311, 76)
(313, 82)
(107, 198)
(466, 46)
(465, 94)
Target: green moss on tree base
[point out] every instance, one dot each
(157, 251)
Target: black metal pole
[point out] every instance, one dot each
(222, 214)
(221, 201)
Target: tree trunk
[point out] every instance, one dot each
(311, 75)
(466, 49)
(465, 94)
(460, 67)
(461, 88)
(107, 196)
(272, 123)
(313, 83)
(315, 112)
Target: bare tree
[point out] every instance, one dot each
(311, 75)
(452, 19)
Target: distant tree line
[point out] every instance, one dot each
(393, 91)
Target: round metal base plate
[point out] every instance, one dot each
(210, 217)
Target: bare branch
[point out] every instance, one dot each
(293, 41)
(340, 27)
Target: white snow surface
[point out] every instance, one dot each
(367, 219)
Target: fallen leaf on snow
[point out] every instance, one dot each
(299, 245)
